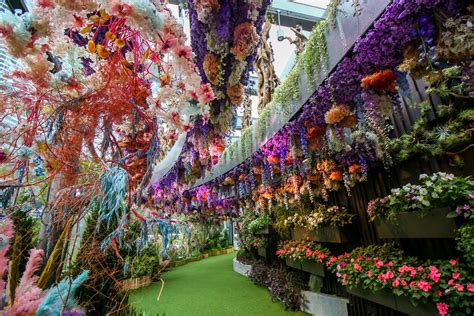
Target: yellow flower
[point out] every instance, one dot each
(91, 46)
(120, 42)
(86, 30)
(42, 147)
(104, 14)
(110, 36)
(102, 51)
(95, 19)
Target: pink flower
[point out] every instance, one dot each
(169, 41)
(357, 267)
(442, 309)
(370, 274)
(404, 283)
(390, 264)
(343, 264)
(412, 283)
(379, 264)
(459, 287)
(308, 253)
(424, 286)
(184, 51)
(344, 279)
(396, 282)
(451, 282)
(470, 287)
(453, 262)
(420, 268)
(456, 275)
(439, 293)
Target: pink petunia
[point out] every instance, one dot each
(470, 287)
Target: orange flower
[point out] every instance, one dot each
(335, 176)
(245, 41)
(110, 36)
(257, 170)
(229, 181)
(349, 121)
(119, 42)
(355, 168)
(382, 80)
(273, 160)
(91, 46)
(236, 93)
(211, 68)
(102, 51)
(242, 177)
(336, 114)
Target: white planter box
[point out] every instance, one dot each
(241, 268)
(324, 304)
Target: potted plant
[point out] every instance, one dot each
(424, 210)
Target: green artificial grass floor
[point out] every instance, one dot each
(206, 287)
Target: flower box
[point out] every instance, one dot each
(136, 283)
(434, 224)
(399, 303)
(241, 268)
(331, 234)
(312, 267)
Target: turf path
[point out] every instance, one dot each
(208, 287)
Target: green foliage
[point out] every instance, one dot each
(246, 143)
(465, 243)
(436, 191)
(144, 263)
(100, 293)
(259, 223)
(315, 56)
(289, 90)
(332, 12)
(320, 216)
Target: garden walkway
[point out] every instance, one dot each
(208, 287)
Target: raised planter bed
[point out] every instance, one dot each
(312, 267)
(331, 234)
(241, 268)
(399, 303)
(136, 283)
(324, 304)
(434, 224)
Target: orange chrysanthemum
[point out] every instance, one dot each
(382, 80)
(349, 121)
(337, 113)
(211, 68)
(355, 168)
(335, 176)
(236, 93)
(245, 41)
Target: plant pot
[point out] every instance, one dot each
(434, 224)
(400, 303)
(312, 267)
(241, 268)
(331, 234)
(136, 283)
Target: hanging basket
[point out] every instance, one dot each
(136, 283)
(435, 224)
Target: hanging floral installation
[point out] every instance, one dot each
(97, 89)
(341, 131)
(225, 39)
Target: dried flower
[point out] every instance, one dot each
(336, 114)
(245, 41)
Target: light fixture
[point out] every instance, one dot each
(280, 32)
